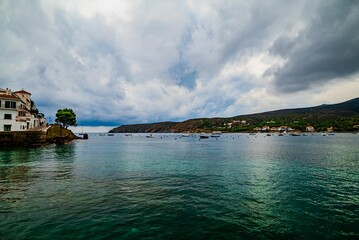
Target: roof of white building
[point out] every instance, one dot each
(22, 91)
(5, 96)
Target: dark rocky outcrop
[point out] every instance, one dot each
(59, 135)
(146, 128)
(54, 134)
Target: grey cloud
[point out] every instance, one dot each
(328, 48)
(62, 52)
(110, 67)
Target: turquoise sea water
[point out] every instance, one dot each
(234, 187)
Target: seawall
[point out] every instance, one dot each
(53, 134)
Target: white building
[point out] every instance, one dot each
(18, 112)
(309, 129)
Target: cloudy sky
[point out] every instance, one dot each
(117, 62)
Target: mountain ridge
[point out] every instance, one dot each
(342, 116)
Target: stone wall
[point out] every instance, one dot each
(55, 134)
(22, 138)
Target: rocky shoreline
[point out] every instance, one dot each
(54, 134)
(342, 117)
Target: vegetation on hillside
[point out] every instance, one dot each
(342, 117)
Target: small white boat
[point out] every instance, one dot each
(185, 135)
(128, 134)
(150, 136)
(110, 134)
(216, 133)
(203, 136)
(295, 134)
(324, 134)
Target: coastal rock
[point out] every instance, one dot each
(37, 137)
(59, 135)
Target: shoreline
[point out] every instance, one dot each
(54, 134)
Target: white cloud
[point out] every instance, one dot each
(145, 61)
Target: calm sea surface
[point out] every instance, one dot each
(235, 187)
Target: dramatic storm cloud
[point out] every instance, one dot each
(143, 61)
(328, 48)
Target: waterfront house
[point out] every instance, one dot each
(265, 128)
(330, 129)
(283, 128)
(309, 129)
(274, 129)
(257, 129)
(18, 112)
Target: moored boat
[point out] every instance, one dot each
(216, 133)
(203, 136)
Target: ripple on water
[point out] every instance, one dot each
(138, 188)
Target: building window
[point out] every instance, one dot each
(7, 128)
(22, 114)
(9, 104)
(7, 116)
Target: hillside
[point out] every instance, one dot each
(341, 116)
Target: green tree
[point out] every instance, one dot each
(66, 117)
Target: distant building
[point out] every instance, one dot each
(309, 129)
(273, 129)
(330, 129)
(236, 123)
(265, 128)
(18, 112)
(283, 128)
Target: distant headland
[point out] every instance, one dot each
(340, 117)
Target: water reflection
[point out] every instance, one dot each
(15, 175)
(64, 157)
(171, 188)
(24, 169)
